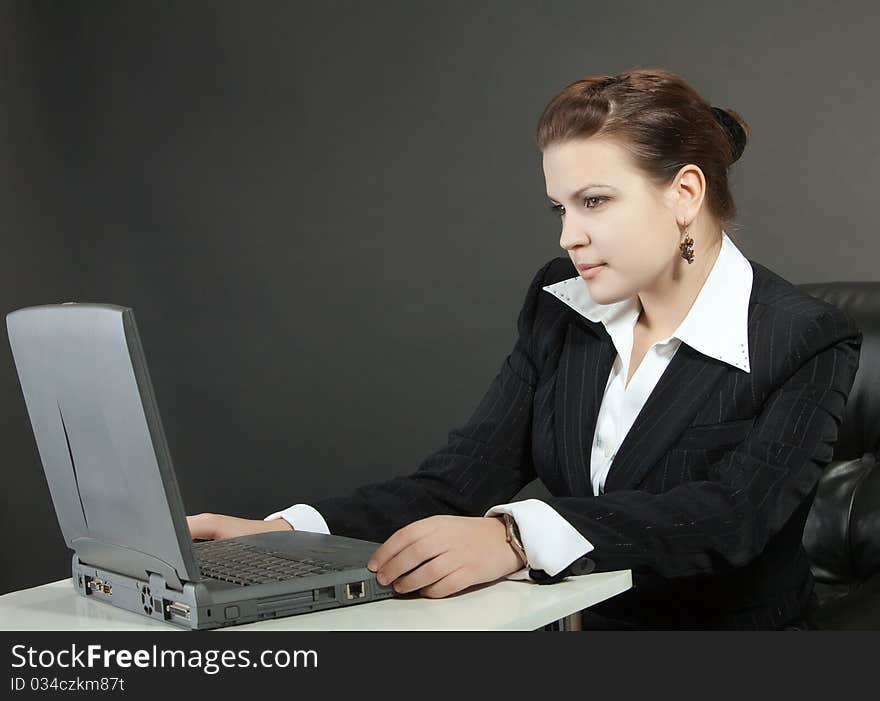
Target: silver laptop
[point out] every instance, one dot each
(90, 400)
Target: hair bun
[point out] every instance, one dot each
(735, 131)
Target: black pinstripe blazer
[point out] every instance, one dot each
(707, 495)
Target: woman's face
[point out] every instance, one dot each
(611, 214)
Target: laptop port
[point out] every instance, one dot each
(357, 590)
(176, 609)
(93, 585)
(324, 593)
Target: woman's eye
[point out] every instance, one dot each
(560, 210)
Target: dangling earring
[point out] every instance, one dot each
(687, 247)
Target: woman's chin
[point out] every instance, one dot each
(602, 294)
(596, 288)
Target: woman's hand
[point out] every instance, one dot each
(455, 552)
(218, 526)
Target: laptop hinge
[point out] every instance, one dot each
(118, 558)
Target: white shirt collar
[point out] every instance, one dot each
(716, 324)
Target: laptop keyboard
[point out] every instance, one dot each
(244, 564)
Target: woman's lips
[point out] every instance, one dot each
(590, 272)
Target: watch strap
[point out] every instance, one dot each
(513, 538)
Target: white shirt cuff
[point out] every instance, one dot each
(303, 518)
(551, 543)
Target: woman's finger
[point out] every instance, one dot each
(452, 583)
(407, 560)
(401, 539)
(434, 570)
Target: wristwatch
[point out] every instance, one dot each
(513, 538)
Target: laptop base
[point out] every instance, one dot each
(215, 604)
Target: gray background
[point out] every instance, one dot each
(326, 217)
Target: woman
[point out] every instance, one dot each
(678, 400)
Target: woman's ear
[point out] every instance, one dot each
(689, 190)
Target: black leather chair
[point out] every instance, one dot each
(842, 532)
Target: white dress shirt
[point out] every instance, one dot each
(716, 325)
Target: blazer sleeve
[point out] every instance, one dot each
(485, 461)
(712, 526)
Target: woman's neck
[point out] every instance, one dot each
(668, 302)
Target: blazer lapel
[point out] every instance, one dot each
(584, 365)
(586, 359)
(685, 385)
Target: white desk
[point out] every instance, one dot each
(502, 605)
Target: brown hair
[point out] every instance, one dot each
(661, 120)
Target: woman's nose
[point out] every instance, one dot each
(571, 237)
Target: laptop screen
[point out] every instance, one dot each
(97, 428)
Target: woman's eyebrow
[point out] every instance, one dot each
(582, 190)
